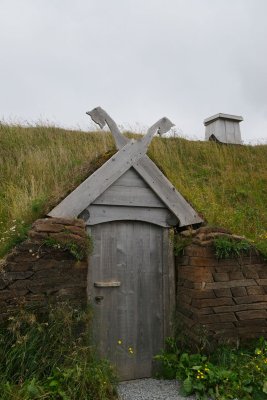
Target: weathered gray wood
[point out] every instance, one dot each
(223, 128)
(101, 118)
(181, 208)
(159, 216)
(167, 192)
(131, 178)
(107, 284)
(106, 175)
(172, 285)
(162, 126)
(168, 283)
(130, 253)
(132, 154)
(99, 181)
(215, 117)
(129, 196)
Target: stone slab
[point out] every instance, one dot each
(230, 284)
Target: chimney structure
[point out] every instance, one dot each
(223, 128)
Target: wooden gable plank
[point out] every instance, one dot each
(98, 214)
(132, 154)
(131, 178)
(98, 182)
(129, 196)
(167, 192)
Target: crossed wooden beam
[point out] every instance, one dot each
(136, 151)
(131, 153)
(101, 118)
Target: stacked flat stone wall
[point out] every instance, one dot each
(41, 270)
(227, 297)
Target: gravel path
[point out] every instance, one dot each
(150, 389)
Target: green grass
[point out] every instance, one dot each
(39, 165)
(39, 362)
(225, 374)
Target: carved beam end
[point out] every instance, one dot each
(98, 116)
(164, 125)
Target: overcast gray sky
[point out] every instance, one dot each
(139, 59)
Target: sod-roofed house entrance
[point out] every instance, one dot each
(128, 206)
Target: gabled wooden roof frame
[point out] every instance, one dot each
(131, 153)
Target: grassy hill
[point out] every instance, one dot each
(39, 165)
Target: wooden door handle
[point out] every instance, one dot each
(107, 284)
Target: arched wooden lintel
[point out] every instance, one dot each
(94, 215)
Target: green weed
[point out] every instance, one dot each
(79, 251)
(228, 373)
(261, 245)
(179, 244)
(226, 247)
(15, 233)
(38, 205)
(50, 356)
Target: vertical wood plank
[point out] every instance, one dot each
(129, 252)
(168, 283)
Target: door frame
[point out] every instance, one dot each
(169, 283)
(168, 280)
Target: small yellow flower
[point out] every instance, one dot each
(119, 341)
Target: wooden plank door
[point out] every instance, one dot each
(126, 286)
